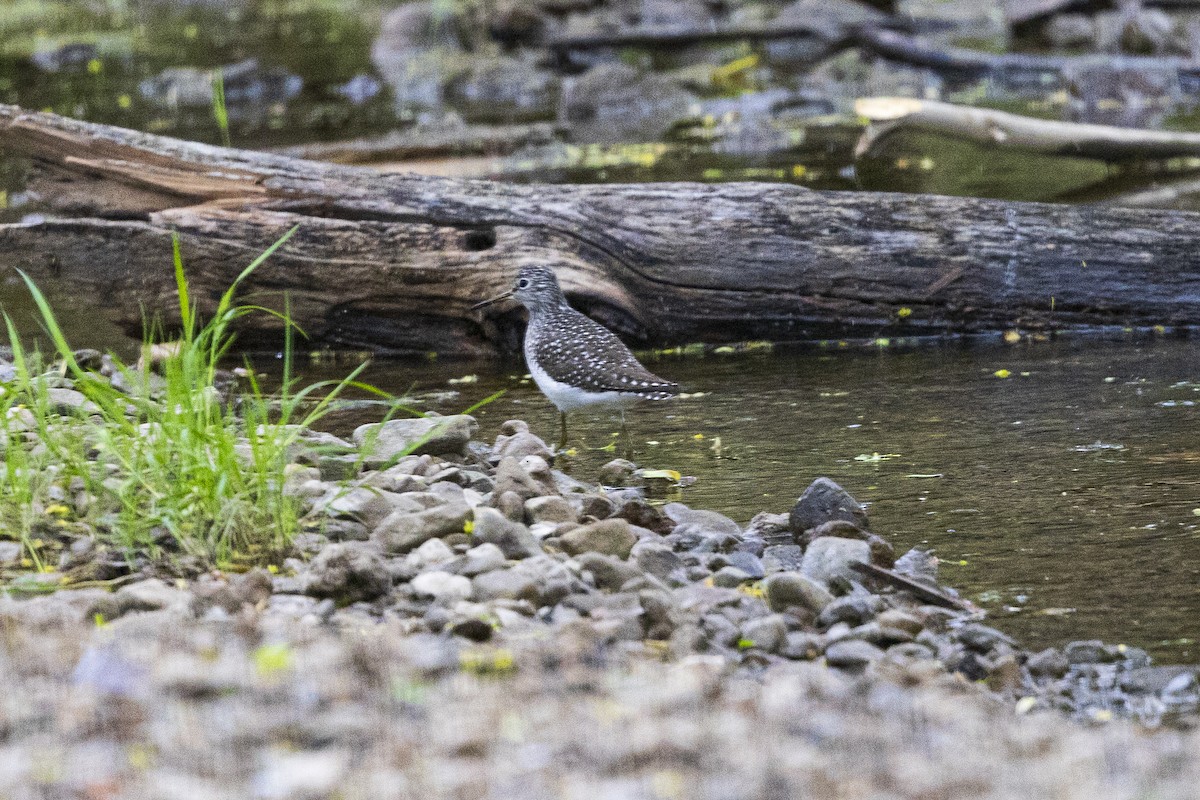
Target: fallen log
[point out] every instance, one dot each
(394, 262)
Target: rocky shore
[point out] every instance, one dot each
(461, 619)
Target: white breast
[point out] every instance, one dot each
(569, 398)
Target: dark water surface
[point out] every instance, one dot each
(1064, 498)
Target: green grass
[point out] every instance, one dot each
(220, 112)
(167, 467)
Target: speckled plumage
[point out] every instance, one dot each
(575, 361)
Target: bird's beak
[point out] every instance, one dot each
(495, 299)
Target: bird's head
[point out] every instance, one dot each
(534, 287)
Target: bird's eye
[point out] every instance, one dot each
(523, 283)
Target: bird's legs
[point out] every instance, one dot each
(625, 441)
(562, 441)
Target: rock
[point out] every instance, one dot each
(502, 89)
(611, 536)
(830, 558)
(361, 504)
(782, 558)
(900, 620)
(68, 401)
(1157, 680)
(1004, 676)
(770, 528)
(475, 629)
(982, 638)
(613, 103)
(853, 610)
(1070, 31)
(596, 507)
(787, 589)
(659, 560)
(730, 577)
(610, 573)
(434, 551)
(1049, 663)
(151, 595)
(478, 560)
(852, 654)
(767, 633)
(801, 645)
(823, 501)
(638, 512)
(746, 562)
(882, 552)
(513, 538)
(402, 531)
(232, 592)
(380, 442)
(347, 572)
(515, 441)
(442, 586)
(920, 565)
(548, 509)
(1091, 652)
(706, 520)
(10, 552)
(511, 477)
(618, 472)
(511, 583)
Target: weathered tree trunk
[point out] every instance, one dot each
(394, 262)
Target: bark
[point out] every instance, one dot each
(1002, 130)
(393, 262)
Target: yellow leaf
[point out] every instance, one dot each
(272, 658)
(904, 313)
(661, 474)
(1002, 373)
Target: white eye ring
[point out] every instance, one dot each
(523, 283)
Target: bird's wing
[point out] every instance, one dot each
(593, 358)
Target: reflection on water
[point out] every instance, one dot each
(1064, 498)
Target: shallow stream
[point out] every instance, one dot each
(1064, 498)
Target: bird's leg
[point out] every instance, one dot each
(562, 441)
(625, 440)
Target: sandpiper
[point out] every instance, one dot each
(576, 362)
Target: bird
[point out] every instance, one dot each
(574, 360)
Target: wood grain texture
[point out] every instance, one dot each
(394, 262)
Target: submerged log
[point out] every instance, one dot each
(394, 262)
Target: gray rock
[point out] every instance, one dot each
(502, 89)
(730, 577)
(442, 586)
(615, 103)
(402, 531)
(609, 572)
(767, 633)
(658, 560)
(511, 583)
(515, 441)
(611, 536)
(1156, 680)
(618, 472)
(69, 401)
(549, 509)
(512, 477)
(830, 557)
(347, 572)
(10, 552)
(514, 539)
(478, 560)
(380, 442)
(705, 520)
(787, 589)
(1048, 663)
(852, 654)
(920, 565)
(982, 638)
(782, 558)
(823, 501)
(151, 595)
(802, 645)
(434, 551)
(366, 505)
(853, 610)
(747, 562)
(1091, 652)
(900, 620)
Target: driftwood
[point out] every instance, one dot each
(1003, 130)
(394, 262)
(429, 141)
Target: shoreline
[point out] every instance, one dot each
(470, 619)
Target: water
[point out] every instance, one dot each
(1065, 498)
